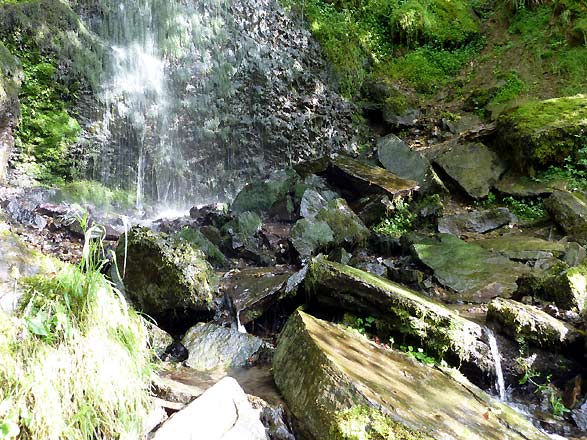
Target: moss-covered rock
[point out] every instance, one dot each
(538, 134)
(569, 210)
(310, 236)
(163, 275)
(527, 323)
(476, 274)
(10, 80)
(260, 195)
(403, 311)
(347, 227)
(342, 386)
(201, 242)
(523, 247)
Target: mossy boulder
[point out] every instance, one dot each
(347, 227)
(163, 275)
(201, 242)
(472, 167)
(530, 324)
(261, 195)
(567, 287)
(403, 311)
(476, 274)
(342, 386)
(538, 134)
(310, 236)
(569, 211)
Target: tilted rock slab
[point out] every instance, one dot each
(221, 413)
(338, 384)
(403, 310)
(569, 210)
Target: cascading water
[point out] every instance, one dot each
(199, 97)
(500, 382)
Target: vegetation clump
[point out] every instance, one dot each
(75, 360)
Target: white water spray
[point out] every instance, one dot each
(500, 382)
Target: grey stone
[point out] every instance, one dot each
(569, 211)
(473, 167)
(221, 413)
(476, 221)
(312, 203)
(308, 237)
(401, 160)
(523, 247)
(211, 346)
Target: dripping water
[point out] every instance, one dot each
(500, 382)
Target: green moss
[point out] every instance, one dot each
(198, 239)
(367, 423)
(346, 226)
(94, 193)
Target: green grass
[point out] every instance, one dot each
(400, 221)
(75, 361)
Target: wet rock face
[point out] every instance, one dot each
(473, 167)
(211, 346)
(338, 383)
(162, 275)
(11, 76)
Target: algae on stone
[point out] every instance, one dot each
(569, 210)
(476, 274)
(347, 227)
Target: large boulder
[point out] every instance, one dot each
(401, 310)
(527, 323)
(163, 275)
(341, 386)
(473, 167)
(358, 178)
(523, 247)
(569, 210)
(223, 412)
(310, 236)
(401, 160)
(538, 134)
(211, 346)
(565, 286)
(476, 274)
(347, 227)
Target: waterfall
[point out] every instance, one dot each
(500, 382)
(198, 97)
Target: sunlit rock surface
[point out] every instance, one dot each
(339, 384)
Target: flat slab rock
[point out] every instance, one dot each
(223, 412)
(531, 324)
(370, 179)
(337, 383)
(475, 221)
(476, 274)
(473, 167)
(522, 186)
(255, 290)
(523, 247)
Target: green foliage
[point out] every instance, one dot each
(46, 130)
(94, 193)
(419, 354)
(75, 361)
(574, 171)
(526, 208)
(361, 325)
(400, 221)
(362, 38)
(513, 88)
(557, 406)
